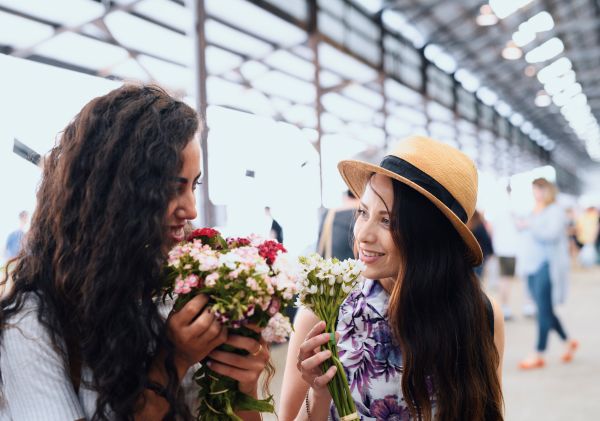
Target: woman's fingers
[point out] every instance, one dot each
(243, 376)
(255, 328)
(322, 381)
(245, 362)
(253, 346)
(316, 360)
(195, 331)
(313, 345)
(190, 310)
(318, 328)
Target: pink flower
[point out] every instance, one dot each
(278, 329)
(192, 281)
(211, 280)
(252, 284)
(274, 307)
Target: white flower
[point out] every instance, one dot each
(229, 260)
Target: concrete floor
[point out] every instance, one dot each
(558, 392)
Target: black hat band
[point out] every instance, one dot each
(423, 180)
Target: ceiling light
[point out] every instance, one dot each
(504, 8)
(542, 99)
(527, 30)
(540, 22)
(486, 16)
(546, 51)
(467, 80)
(516, 119)
(563, 97)
(487, 96)
(503, 108)
(398, 23)
(530, 71)
(440, 58)
(555, 69)
(578, 101)
(558, 84)
(511, 51)
(526, 127)
(522, 38)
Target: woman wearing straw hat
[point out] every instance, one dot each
(419, 339)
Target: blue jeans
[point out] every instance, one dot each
(540, 287)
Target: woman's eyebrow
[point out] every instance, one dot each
(181, 180)
(381, 212)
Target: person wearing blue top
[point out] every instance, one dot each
(545, 263)
(14, 241)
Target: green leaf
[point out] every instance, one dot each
(244, 402)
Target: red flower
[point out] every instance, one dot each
(238, 242)
(269, 249)
(203, 232)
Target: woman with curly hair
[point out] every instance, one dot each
(418, 340)
(82, 335)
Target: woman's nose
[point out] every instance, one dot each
(365, 232)
(187, 208)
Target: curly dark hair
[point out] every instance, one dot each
(438, 316)
(96, 247)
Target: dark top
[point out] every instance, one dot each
(276, 228)
(343, 239)
(483, 237)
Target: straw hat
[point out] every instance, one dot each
(443, 174)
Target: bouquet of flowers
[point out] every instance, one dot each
(248, 280)
(323, 285)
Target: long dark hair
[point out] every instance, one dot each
(94, 255)
(438, 317)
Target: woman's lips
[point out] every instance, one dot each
(369, 257)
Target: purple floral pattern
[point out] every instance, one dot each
(371, 358)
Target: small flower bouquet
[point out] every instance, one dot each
(248, 281)
(323, 285)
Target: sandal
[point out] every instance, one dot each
(532, 363)
(567, 357)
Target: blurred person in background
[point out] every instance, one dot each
(586, 230)
(14, 241)
(82, 335)
(477, 226)
(546, 265)
(598, 242)
(335, 234)
(574, 244)
(505, 238)
(276, 231)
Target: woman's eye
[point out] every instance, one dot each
(196, 184)
(386, 221)
(361, 212)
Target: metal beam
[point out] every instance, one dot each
(208, 214)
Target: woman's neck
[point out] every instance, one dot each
(387, 284)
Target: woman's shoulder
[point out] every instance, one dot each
(28, 310)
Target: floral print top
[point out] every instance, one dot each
(372, 361)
